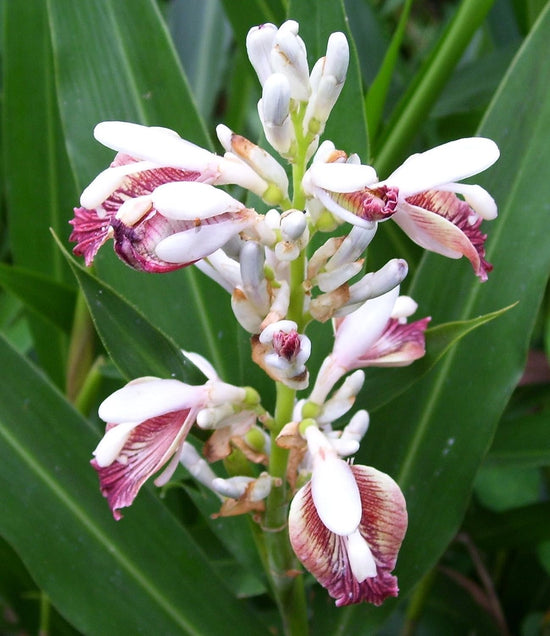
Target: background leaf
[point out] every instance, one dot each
(101, 574)
(433, 438)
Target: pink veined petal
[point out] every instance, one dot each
(398, 346)
(92, 228)
(147, 449)
(383, 526)
(441, 222)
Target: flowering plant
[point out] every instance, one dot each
(282, 267)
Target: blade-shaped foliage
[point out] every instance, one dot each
(114, 76)
(52, 300)
(135, 345)
(383, 385)
(433, 438)
(143, 575)
(35, 163)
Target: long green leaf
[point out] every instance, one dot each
(143, 575)
(135, 345)
(43, 295)
(383, 385)
(38, 181)
(433, 438)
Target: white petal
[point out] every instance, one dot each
(202, 364)
(161, 145)
(139, 401)
(360, 557)
(360, 329)
(477, 197)
(199, 242)
(342, 177)
(447, 163)
(189, 200)
(336, 495)
(282, 325)
(108, 181)
(112, 443)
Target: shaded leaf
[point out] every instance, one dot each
(52, 300)
(135, 345)
(143, 575)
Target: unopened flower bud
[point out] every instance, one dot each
(273, 110)
(375, 284)
(196, 465)
(357, 426)
(293, 225)
(259, 42)
(289, 57)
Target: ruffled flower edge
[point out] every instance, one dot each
(325, 554)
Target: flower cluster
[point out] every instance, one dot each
(161, 204)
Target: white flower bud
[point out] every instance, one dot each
(252, 271)
(289, 57)
(196, 465)
(357, 426)
(259, 42)
(375, 284)
(293, 225)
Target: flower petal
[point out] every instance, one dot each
(449, 162)
(202, 239)
(440, 222)
(190, 200)
(146, 450)
(149, 397)
(326, 554)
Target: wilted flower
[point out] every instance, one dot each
(346, 526)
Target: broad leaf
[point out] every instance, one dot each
(434, 437)
(52, 300)
(38, 181)
(135, 345)
(142, 575)
(383, 385)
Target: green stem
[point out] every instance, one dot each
(427, 85)
(283, 567)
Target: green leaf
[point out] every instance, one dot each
(135, 345)
(522, 442)
(428, 83)
(433, 438)
(383, 385)
(52, 300)
(143, 575)
(39, 188)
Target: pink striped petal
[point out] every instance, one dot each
(326, 554)
(441, 222)
(146, 450)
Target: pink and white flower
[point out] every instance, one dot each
(420, 196)
(376, 334)
(346, 526)
(122, 202)
(148, 421)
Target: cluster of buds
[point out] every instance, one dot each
(161, 203)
